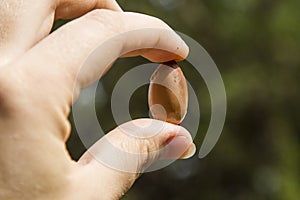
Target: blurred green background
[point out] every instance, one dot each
(256, 45)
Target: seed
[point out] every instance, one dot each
(168, 93)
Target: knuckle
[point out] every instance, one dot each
(148, 150)
(105, 20)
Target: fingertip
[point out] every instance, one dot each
(189, 152)
(179, 147)
(185, 51)
(182, 49)
(179, 52)
(147, 128)
(181, 131)
(160, 56)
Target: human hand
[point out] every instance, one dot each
(39, 80)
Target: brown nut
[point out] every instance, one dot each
(168, 93)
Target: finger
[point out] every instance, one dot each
(120, 156)
(116, 33)
(68, 9)
(22, 24)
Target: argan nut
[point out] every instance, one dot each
(168, 93)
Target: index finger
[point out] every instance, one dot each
(113, 34)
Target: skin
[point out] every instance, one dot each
(39, 81)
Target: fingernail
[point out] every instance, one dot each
(189, 152)
(178, 147)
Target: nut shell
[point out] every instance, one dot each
(168, 93)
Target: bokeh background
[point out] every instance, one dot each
(256, 45)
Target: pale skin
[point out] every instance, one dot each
(39, 83)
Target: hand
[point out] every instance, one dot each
(39, 80)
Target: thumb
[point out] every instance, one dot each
(112, 164)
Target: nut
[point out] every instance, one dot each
(168, 93)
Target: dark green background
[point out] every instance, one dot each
(256, 45)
